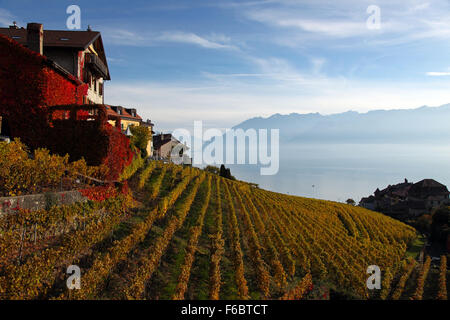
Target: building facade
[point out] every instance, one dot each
(79, 53)
(128, 117)
(163, 145)
(150, 125)
(406, 199)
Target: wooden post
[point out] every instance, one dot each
(35, 233)
(21, 245)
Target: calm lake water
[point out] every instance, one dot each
(342, 171)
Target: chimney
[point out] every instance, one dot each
(14, 25)
(35, 37)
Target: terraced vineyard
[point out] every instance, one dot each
(194, 235)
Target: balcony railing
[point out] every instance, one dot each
(96, 64)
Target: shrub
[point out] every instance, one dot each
(21, 173)
(226, 173)
(212, 169)
(100, 193)
(141, 137)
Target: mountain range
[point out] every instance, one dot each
(420, 125)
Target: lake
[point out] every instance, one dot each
(341, 171)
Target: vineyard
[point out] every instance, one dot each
(184, 233)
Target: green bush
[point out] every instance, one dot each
(141, 137)
(212, 169)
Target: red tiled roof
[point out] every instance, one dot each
(125, 114)
(55, 38)
(128, 115)
(110, 112)
(62, 39)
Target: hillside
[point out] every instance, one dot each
(190, 234)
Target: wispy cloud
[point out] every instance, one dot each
(288, 19)
(124, 37)
(419, 7)
(438, 74)
(216, 42)
(132, 38)
(277, 71)
(6, 18)
(317, 64)
(241, 4)
(298, 22)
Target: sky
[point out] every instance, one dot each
(223, 62)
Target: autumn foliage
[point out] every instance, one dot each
(29, 84)
(25, 172)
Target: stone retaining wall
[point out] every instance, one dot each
(39, 201)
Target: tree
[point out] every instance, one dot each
(212, 169)
(222, 171)
(424, 223)
(351, 202)
(140, 138)
(440, 226)
(226, 173)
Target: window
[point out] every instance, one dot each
(100, 88)
(95, 85)
(4, 127)
(86, 77)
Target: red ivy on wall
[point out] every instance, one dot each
(95, 140)
(28, 85)
(118, 156)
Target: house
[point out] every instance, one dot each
(163, 145)
(80, 53)
(368, 203)
(428, 194)
(128, 118)
(150, 126)
(406, 199)
(43, 68)
(52, 93)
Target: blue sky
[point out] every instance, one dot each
(226, 61)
